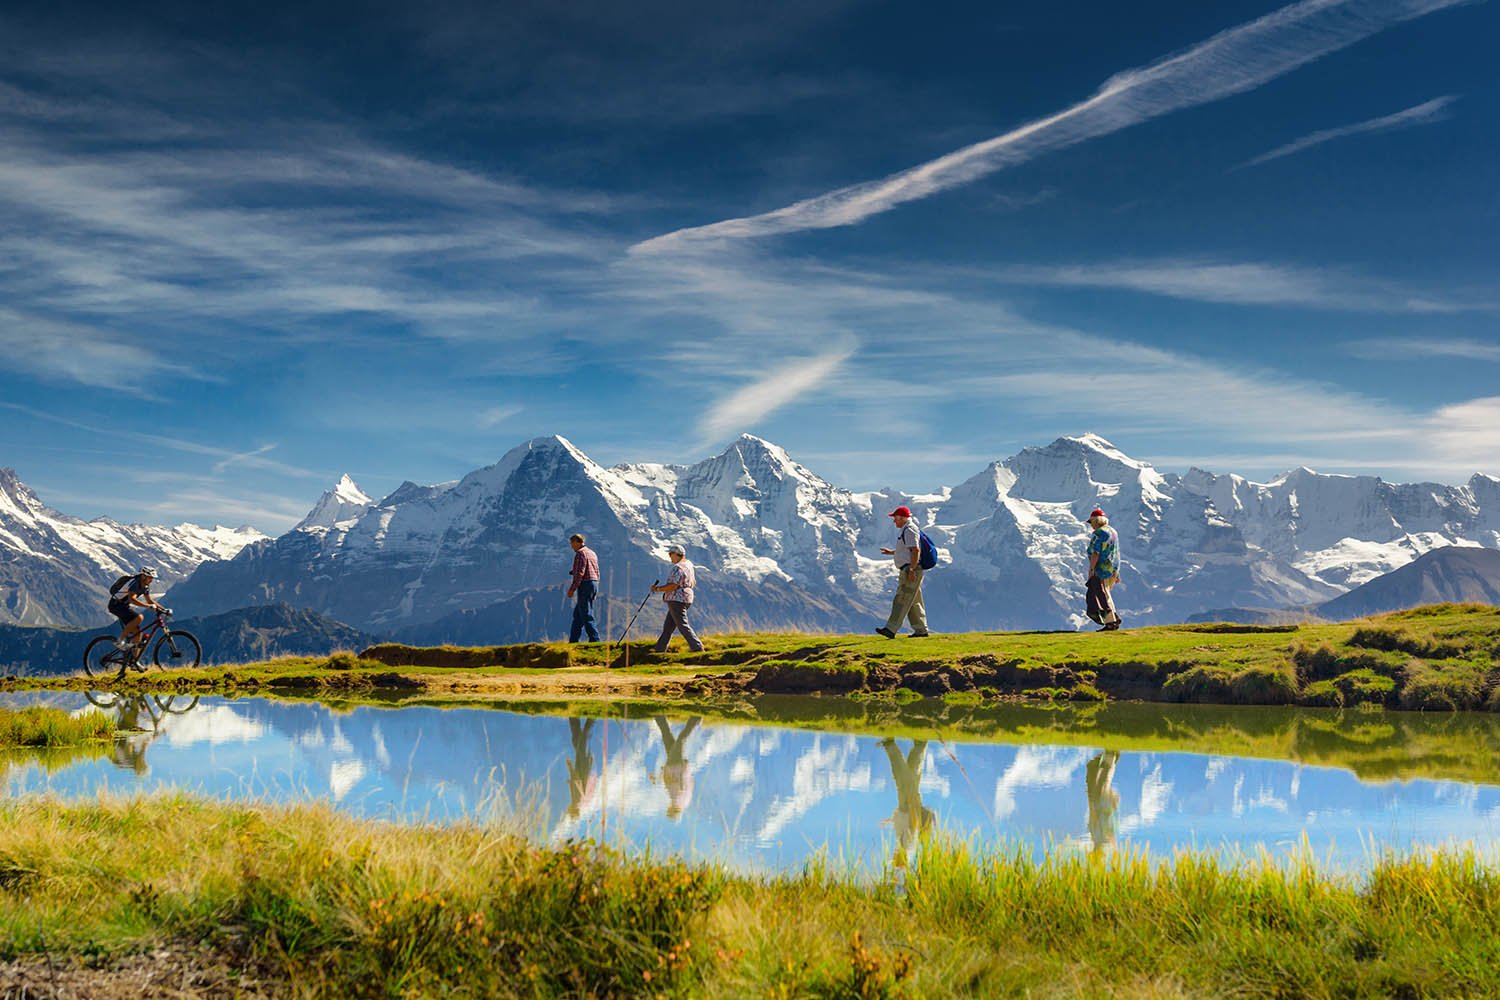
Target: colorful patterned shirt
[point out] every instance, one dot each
(1106, 545)
(681, 574)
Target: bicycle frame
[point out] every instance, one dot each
(146, 633)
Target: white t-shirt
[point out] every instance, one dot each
(907, 538)
(681, 574)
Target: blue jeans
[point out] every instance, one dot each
(583, 611)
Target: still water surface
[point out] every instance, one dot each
(762, 797)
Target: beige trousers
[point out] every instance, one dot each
(908, 602)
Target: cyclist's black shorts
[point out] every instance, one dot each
(124, 610)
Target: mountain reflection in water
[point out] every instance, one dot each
(762, 796)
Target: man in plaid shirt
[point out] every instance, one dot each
(585, 588)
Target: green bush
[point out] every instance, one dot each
(1263, 684)
(1431, 687)
(1322, 694)
(1199, 684)
(1404, 641)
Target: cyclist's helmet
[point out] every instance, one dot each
(147, 571)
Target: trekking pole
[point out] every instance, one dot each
(637, 612)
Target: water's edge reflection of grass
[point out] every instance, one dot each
(302, 899)
(1375, 745)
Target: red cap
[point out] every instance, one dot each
(1096, 513)
(900, 512)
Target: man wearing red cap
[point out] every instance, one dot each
(1104, 572)
(908, 601)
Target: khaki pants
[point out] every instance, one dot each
(908, 602)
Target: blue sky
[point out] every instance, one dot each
(242, 252)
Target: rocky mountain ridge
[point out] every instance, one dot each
(778, 546)
(55, 569)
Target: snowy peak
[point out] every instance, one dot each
(1083, 471)
(345, 502)
(56, 567)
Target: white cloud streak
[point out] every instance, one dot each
(1403, 349)
(1231, 62)
(744, 407)
(1425, 113)
(1248, 283)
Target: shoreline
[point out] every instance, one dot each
(1437, 658)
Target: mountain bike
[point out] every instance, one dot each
(170, 649)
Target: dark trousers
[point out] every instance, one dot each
(677, 613)
(1098, 604)
(583, 611)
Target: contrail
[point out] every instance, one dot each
(1431, 111)
(1231, 62)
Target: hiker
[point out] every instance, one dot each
(585, 587)
(910, 817)
(907, 603)
(1104, 573)
(1104, 801)
(581, 778)
(676, 775)
(677, 592)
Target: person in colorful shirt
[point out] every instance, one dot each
(584, 589)
(677, 592)
(1104, 572)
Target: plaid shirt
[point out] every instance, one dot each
(585, 566)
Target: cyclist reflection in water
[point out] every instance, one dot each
(1104, 801)
(581, 779)
(676, 776)
(139, 723)
(911, 817)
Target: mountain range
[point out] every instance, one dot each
(1458, 575)
(485, 558)
(56, 570)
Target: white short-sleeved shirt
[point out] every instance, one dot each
(681, 574)
(907, 538)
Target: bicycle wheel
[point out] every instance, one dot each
(102, 699)
(101, 658)
(177, 649)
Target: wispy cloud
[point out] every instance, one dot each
(745, 407)
(494, 416)
(222, 456)
(1405, 349)
(1231, 62)
(1426, 113)
(1242, 283)
(84, 354)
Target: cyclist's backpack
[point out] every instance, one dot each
(114, 588)
(926, 551)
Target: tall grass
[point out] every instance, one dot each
(327, 905)
(51, 728)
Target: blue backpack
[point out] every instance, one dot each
(926, 551)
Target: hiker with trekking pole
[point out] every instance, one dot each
(677, 592)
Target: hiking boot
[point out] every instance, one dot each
(920, 635)
(882, 630)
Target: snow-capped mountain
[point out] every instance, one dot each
(55, 569)
(778, 546)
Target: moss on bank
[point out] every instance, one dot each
(305, 901)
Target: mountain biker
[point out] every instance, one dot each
(133, 592)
